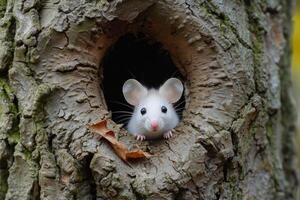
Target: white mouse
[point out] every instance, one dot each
(154, 115)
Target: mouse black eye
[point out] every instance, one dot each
(143, 111)
(164, 109)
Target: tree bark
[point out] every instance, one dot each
(237, 136)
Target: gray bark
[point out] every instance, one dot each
(237, 136)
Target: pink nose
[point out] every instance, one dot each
(154, 124)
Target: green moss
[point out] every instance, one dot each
(14, 137)
(2, 7)
(226, 25)
(27, 154)
(8, 109)
(269, 131)
(5, 86)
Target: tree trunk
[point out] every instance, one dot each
(237, 135)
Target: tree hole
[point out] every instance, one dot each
(140, 57)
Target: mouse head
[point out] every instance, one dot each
(154, 111)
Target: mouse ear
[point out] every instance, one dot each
(172, 90)
(133, 91)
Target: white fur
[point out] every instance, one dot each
(141, 124)
(152, 100)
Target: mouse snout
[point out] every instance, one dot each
(154, 124)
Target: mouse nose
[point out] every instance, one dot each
(154, 124)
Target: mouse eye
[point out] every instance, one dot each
(164, 109)
(143, 111)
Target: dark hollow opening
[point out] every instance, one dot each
(139, 57)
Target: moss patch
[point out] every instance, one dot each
(9, 112)
(2, 7)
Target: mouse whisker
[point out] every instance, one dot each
(179, 110)
(123, 104)
(119, 111)
(124, 115)
(179, 104)
(120, 116)
(124, 120)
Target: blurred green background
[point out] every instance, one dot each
(296, 72)
(296, 68)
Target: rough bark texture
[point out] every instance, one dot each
(236, 139)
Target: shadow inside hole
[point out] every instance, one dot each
(135, 56)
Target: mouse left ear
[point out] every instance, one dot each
(133, 91)
(172, 90)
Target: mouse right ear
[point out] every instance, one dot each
(172, 90)
(133, 91)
